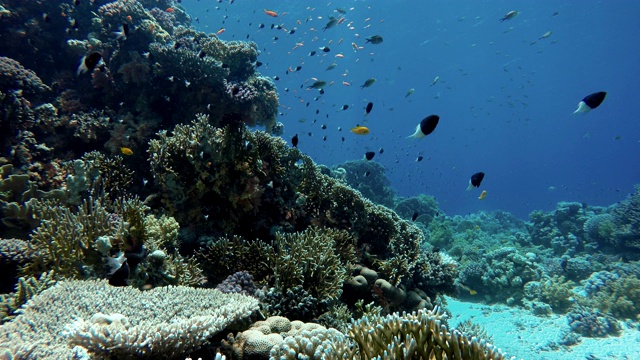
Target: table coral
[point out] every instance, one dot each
(121, 322)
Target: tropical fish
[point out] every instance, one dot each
(126, 151)
(435, 80)
(317, 85)
(545, 35)
(590, 102)
(411, 91)
(369, 155)
(270, 13)
(483, 195)
(294, 140)
(426, 127)
(367, 110)
(375, 39)
(220, 31)
(360, 130)
(332, 22)
(510, 15)
(331, 67)
(476, 180)
(369, 82)
(89, 62)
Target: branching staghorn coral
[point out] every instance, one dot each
(120, 322)
(26, 288)
(65, 240)
(309, 259)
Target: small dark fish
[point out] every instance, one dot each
(322, 93)
(318, 85)
(414, 216)
(272, 26)
(375, 39)
(343, 139)
(476, 180)
(367, 173)
(344, 107)
(120, 276)
(426, 127)
(76, 2)
(261, 26)
(74, 24)
(202, 54)
(224, 66)
(420, 157)
(310, 133)
(369, 155)
(324, 127)
(324, 138)
(317, 110)
(45, 17)
(258, 64)
(292, 31)
(341, 10)
(332, 22)
(369, 82)
(381, 150)
(313, 52)
(276, 78)
(510, 15)
(367, 110)
(177, 45)
(275, 38)
(325, 49)
(89, 62)
(299, 67)
(590, 102)
(294, 140)
(123, 33)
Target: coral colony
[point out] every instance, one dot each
(140, 215)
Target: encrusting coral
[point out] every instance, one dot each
(93, 317)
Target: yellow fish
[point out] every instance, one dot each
(360, 130)
(472, 292)
(483, 195)
(126, 151)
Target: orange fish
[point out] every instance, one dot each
(126, 151)
(220, 31)
(169, 10)
(360, 130)
(271, 13)
(129, 18)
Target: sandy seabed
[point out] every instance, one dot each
(523, 335)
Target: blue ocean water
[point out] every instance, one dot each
(504, 93)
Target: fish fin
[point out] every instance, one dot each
(470, 186)
(582, 108)
(82, 68)
(416, 135)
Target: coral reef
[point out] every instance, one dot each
(240, 282)
(369, 178)
(25, 289)
(626, 216)
(592, 323)
(115, 321)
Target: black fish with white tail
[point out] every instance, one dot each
(369, 155)
(426, 127)
(590, 102)
(89, 62)
(294, 140)
(476, 180)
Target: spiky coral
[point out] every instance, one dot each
(26, 288)
(309, 259)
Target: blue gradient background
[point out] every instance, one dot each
(505, 102)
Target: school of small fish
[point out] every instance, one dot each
(331, 38)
